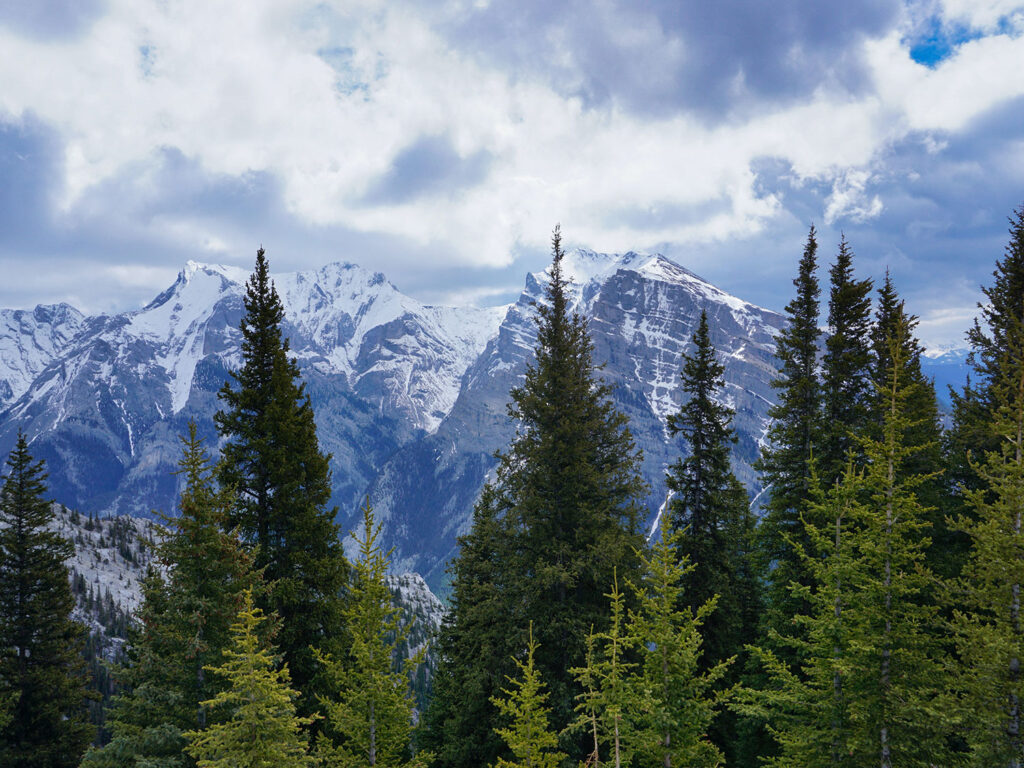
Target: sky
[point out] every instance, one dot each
(440, 142)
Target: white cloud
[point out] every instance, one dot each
(242, 87)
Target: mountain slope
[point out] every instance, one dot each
(410, 400)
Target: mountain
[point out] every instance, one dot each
(410, 399)
(946, 368)
(642, 312)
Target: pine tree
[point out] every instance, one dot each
(528, 736)
(893, 324)
(712, 512)
(260, 728)
(42, 672)
(793, 438)
(565, 502)
(472, 630)
(990, 639)
(373, 711)
(975, 406)
(184, 624)
(273, 461)
(679, 705)
(871, 682)
(612, 700)
(846, 384)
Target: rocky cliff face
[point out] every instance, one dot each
(410, 399)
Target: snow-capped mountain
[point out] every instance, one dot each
(29, 341)
(642, 312)
(410, 399)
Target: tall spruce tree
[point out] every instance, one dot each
(792, 440)
(974, 407)
(872, 677)
(988, 625)
(42, 671)
(474, 629)
(273, 461)
(711, 511)
(846, 384)
(565, 504)
(372, 712)
(893, 324)
(188, 607)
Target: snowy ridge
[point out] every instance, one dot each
(29, 341)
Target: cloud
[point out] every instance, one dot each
(50, 20)
(439, 143)
(428, 165)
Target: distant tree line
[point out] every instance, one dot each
(869, 613)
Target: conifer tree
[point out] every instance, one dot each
(42, 672)
(893, 324)
(529, 737)
(184, 625)
(612, 700)
(872, 675)
(793, 438)
(990, 639)
(678, 704)
(566, 504)
(372, 714)
(273, 461)
(846, 383)
(473, 630)
(260, 728)
(712, 512)
(975, 406)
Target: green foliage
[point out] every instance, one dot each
(678, 706)
(870, 686)
(795, 431)
(564, 508)
(184, 624)
(528, 736)
(259, 727)
(612, 700)
(472, 632)
(42, 672)
(711, 511)
(372, 713)
(990, 640)
(273, 461)
(846, 383)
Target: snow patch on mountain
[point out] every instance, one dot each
(29, 341)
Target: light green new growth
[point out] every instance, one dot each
(373, 712)
(529, 736)
(262, 729)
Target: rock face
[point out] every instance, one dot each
(410, 399)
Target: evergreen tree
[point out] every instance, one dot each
(528, 736)
(872, 678)
(472, 631)
(793, 437)
(373, 712)
(273, 461)
(678, 704)
(712, 512)
(184, 625)
(612, 700)
(565, 503)
(975, 406)
(42, 672)
(260, 728)
(846, 384)
(924, 430)
(990, 639)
